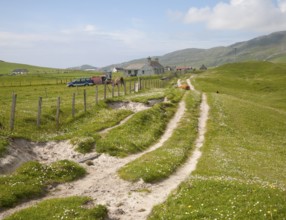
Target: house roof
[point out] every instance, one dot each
(20, 70)
(135, 66)
(156, 64)
(203, 67)
(183, 67)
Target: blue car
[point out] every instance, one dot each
(80, 82)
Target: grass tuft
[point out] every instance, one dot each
(85, 144)
(3, 145)
(32, 178)
(64, 208)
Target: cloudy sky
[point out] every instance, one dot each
(65, 33)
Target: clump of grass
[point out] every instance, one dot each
(62, 208)
(3, 145)
(84, 144)
(32, 178)
(138, 133)
(222, 199)
(174, 95)
(162, 162)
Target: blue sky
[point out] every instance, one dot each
(65, 33)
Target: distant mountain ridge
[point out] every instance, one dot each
(84, 67)
(270, 47)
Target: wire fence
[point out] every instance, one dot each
(79, 102)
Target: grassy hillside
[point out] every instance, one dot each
(262, 83)
(241, 174)
(271, 47)
(7, 68)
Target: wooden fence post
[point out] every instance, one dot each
(129, 87)
(73, 105)
(124, 88)
(58, 111)
(96, 94)
(84, 100)
(104, 91)
(118, 90)
(112, 91)
(39, 112)
(13, 110)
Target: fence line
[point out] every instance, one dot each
(13, 110)
(39, 112)
(138, 85)
(58, 111)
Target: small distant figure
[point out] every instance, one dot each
(185, 86)
(122, 81)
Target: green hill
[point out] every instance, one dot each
(241, 173)
(260, 82)
(7, 67)
(271, 47)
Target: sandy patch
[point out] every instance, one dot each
(134, 106)
(21, 151)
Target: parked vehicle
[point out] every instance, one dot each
(101, 79)
(80, 82)
(94, 80)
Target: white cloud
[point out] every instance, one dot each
(129, 37)
(85, 34)
(13, 39)
(195, 15)
(282, 5)
(89, 28)
(258, 15)
(175, 15)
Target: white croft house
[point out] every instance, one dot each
(150, 67)
(19, 72)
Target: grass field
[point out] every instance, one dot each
(49, 84)
(241, 174)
